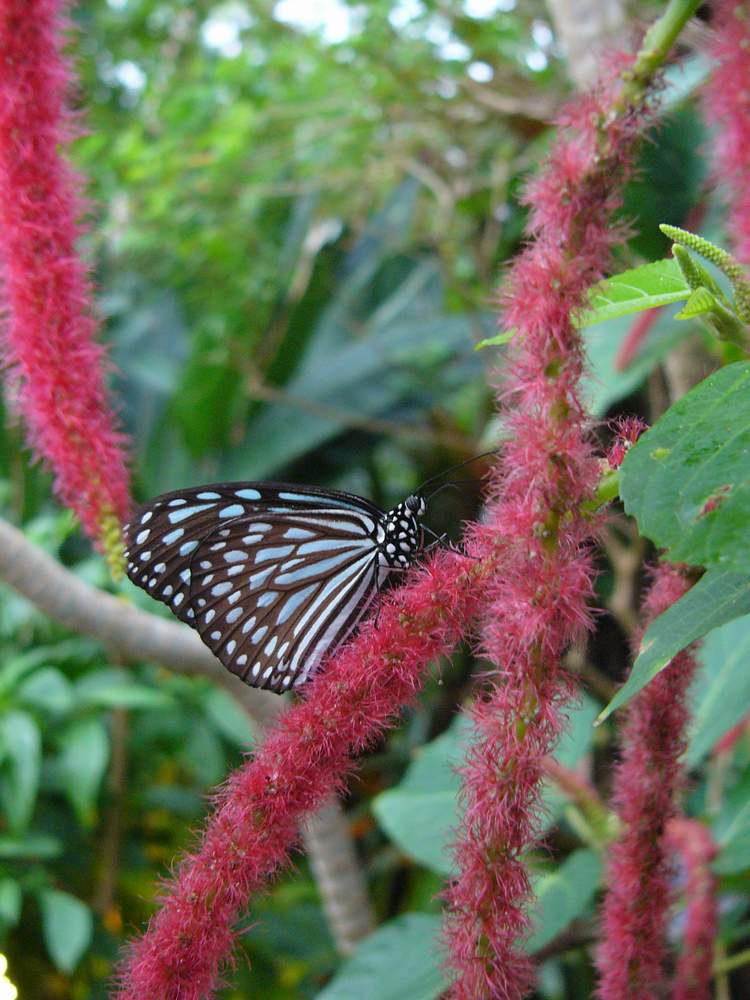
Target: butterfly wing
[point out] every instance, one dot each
(271, 575)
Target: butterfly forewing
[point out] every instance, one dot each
(273, 591)
(271, 575)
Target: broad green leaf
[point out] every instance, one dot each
(562, 895)
(19, 777)
(646, 287)
(113, 689)
(400, 961)
(604, 384)
(67, 927)
(34, 845)
(717, 598)
(687, 480)
(10, 902)
(700, 302)
(228, 718)
(84, 754)
(421, 813)
(720, 693)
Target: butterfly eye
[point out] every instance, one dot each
(415, 504)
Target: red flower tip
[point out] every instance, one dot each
(626, 430)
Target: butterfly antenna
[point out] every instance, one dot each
(452, 468)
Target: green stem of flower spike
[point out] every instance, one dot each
(655, 48)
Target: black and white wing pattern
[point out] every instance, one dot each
(272, 576)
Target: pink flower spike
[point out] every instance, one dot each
(627, 430)
(693, 841)
(537, 604)
(727, 102)
(632, 954)
(255, 823)
(56, 364)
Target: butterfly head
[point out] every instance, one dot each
(401, 536)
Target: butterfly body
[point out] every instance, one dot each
(272, 575)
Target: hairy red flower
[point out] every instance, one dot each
(255, 823)
(728, 109)
(632, 953)
(50, 327)
(537, 604)
(693, 841)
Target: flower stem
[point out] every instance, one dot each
(655, 48)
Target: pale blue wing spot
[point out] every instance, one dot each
(185, 576)
(233, 598)
(209, 616)
(147, 517)
(220, 588)
(299, 533)
(235, 555)
(187, 547)
(179, 502)
(231, 646)
(177, 600)
(270, 646)
(247, 494)
(180, 515)
(249, 624)
(279, 552)
(268, 598)
(315, 569)
(242, 660)
(233, 615)
(208, 496)
(145, 556)
(331, 544)
(216, 636)
(258, 635)
(233, 510)
(142, 536)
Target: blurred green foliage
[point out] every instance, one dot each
(296, 229)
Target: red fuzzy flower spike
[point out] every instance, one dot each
(306, 758)
(728, 109)
(632, 955)
(50, 327)
(537, 605)
(693, 841)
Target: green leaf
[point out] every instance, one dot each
(226, 715)
(10, 902)
(717, 598)
(732, 832)
(701, 301)
(113, 689)
(19, 780)
(646, 287)
(399, 961)
(84, 754)
(421, 813)
(47, 690)
(562, 895)
(687, 480)
(67, 927)
(720, 692)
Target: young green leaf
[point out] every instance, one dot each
(19, 780)
(84, 754)
(67, 927)
(646, 287)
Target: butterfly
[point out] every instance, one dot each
(272, 576)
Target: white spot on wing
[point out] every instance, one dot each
(220, 588)
(173, 536)
(233, 510)
(142, 536)
(248, 494)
